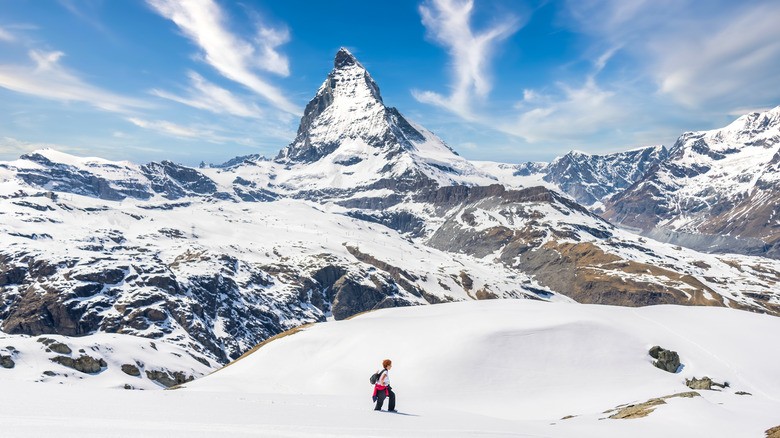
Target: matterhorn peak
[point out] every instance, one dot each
(344, 58)
(355, 139)
(347, 105)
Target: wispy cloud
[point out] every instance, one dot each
(189, 132)
(731, 62)
(88, 13)
(5, 35)
(448, 23)
(207, 96)
(202, 22)
(567, 116)
(48, 79)
(718, 56)
(169, 128)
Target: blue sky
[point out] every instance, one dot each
(501, 80)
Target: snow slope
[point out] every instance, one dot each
(32, 360)
(489, 368)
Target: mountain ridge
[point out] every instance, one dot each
(718, 182)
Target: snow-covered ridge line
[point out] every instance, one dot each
(717, 183)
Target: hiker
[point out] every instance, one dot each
(382, 388)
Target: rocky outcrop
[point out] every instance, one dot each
(53, 345)
(6, 361)
(629, 412)
(705, 383)
(666, 360)
(60, 348)
(131, 370)
(168, 378)
(85, 364)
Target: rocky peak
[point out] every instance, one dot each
(348, 125)
(344, 59)
(347, 104)
(758, 121)
(349, 139)
(754, 129)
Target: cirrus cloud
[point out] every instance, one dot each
(448, 23)
(48, 79)
(202, 22)
(207, 96)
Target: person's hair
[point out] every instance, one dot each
(386, 363)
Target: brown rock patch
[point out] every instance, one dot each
(644, 409)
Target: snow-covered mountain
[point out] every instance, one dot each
(363, 210)
(718, 190)
(348, 138)
(589, 179)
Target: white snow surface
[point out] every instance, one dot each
(475, 369)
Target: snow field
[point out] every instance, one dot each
(530, 362)
(473, 369)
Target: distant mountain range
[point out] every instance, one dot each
(365, 210)
(718, 190)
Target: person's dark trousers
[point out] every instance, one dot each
(380, 399)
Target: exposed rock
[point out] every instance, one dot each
(704, 383)
(6, 362)
(85, 364)
(667, 360)
(742, 393)
(167, 378)
(591, 178)
(13, 275)
(60, 348)
(484, 294)
(351, 297)
(131, 370)
(644, 409)
(107, 276)
(773, 432)
(49, 373)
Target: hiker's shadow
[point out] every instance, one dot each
(403, 413)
